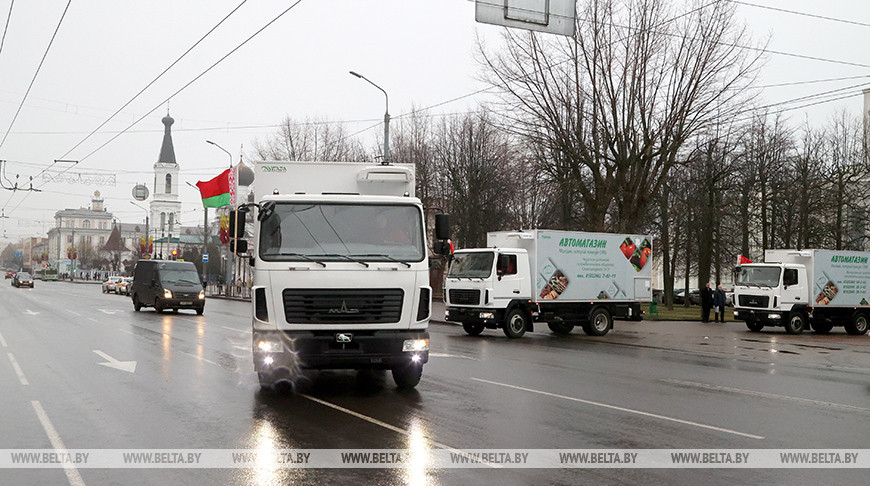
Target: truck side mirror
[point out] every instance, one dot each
(442, 226)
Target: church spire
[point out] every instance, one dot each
(167, 151)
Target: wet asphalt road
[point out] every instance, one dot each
(648, 385)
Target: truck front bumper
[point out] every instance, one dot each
(280, 355)
(486, 316)
(772, 317)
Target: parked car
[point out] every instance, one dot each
(694, 297)
(10, 274)
(110, 284)
(22, 279)
(729, 298)
(123, 286)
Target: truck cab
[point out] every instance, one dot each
(772, 294)
(482, 285)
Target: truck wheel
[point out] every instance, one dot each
(515, 324)
(754, 326)
(858, 325)
(822, 327)
(599, 323)
(407, 376)
(796, 323)
(473, 328)
(561, 328)
(137, 306)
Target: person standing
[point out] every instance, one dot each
(706, 302)
(719, 304)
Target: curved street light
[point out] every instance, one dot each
(225, 150)
(386, 117)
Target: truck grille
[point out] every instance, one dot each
(760, 301)
(343, 306)
(464, 296)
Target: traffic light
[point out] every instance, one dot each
(174, 254)
(237, 223)
(238, 246)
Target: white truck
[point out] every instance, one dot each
(564, 278)
(796, 288)
(341, 272)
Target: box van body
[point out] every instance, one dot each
(166, 284)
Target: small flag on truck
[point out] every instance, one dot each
(742, 259)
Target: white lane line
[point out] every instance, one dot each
(387, 426)
(18, 370)
(74, 313)
(446, 355)
(623, 409)
(237, 330)
(92, 319)
(3, 341)
(72, 474)
(754, 393)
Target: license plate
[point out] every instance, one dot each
(186, 303)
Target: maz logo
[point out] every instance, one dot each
(274, 168)
(343, 309)
(343, 337)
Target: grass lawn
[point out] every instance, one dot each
(681, 313)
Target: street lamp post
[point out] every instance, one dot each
(386, 117)
(146, 223)
(228, 268)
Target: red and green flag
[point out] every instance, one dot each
(220, 191)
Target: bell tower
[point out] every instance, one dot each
(165, 207)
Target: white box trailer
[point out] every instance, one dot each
(564, 278)
(341, 272)
(799, 288)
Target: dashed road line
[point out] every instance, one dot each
(18, 370)
(623, 409)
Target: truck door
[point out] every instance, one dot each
(794, 288)
(507, 285)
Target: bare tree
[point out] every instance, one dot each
(312, 139)
(610, 110)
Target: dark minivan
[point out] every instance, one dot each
(166, 284)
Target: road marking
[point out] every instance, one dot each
(387, 426)
(18, 369)
(769, 395)
(3, 341)
(92, 319)
(623, 409)
(237, 330)
(31, 313)
(72, 474)
(74, 313)
(128, 366)
(446, 355)
(110, 312)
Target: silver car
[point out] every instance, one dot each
(110, 285)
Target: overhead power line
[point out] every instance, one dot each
(38, 68)
(6, 28)
(804, 14)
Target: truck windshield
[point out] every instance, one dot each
(322, 232)
(471, 265)
(758, 276)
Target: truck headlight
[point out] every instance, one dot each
(486, 315)
(774, 316)
(415, 345)
(201, 294)
(167, 294)
(270, 346)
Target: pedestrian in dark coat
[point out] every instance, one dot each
(719, 304)
(706, 302)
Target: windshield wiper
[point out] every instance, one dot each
(388, 257)
(345, 258)
(304, 257)
(189, 282)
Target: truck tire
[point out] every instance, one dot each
(407, 376)
(473, 328)
(600, 322)
(561, 328)
(795, 323)
(858, 325)
(515, 323)
(822, 327)
(754, 326)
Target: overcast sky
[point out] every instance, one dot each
(419, 51)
